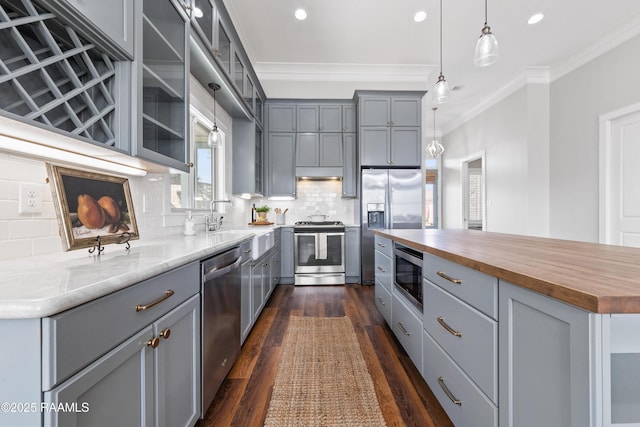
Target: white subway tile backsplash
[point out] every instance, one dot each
(12, 249)
(29, 229)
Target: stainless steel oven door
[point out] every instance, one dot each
(319, 252)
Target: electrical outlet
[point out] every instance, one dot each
(30, 196)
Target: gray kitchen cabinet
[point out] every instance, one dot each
(222, 43)
(352, 254)
(407, 327)
(350, 166)
(246, 308)
(390, 128)
(258, 269)
(318, 149)
(248, 158)
(259, 110)
(383, 302)
(349, 118)
(110, 23)
(151, 379)
(286, 255)
(307, 119)
(390, 110)
(318, 118)
(375, 144)
(307, 149)
(117, 389)
(281, 117)
(163, 46)
(330, 118)
(281, 177)
(202, 25)
(275, 272)
(546, 350)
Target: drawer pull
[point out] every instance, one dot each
(449, 278)
(449, 328)
(382, 245)
(381, 301)
(165, 333)
(153, 342)
(382, 269)
(167, 294)
(446, 390)
(403, 329)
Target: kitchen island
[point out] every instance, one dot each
(524, 331)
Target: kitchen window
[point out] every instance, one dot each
(194, 191)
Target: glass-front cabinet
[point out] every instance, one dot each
(238, 73)
(222, 45)
(163, 132)
(203, 14)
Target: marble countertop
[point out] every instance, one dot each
(40, 286)
(596, 277)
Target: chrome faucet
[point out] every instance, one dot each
(214, 222)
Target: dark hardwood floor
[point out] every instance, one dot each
(404, 397)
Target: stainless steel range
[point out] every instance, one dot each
(319, 253)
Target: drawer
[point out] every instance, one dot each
(476, 349)
(383, 301)
(383, 268)
(473, 287)
(96, 327)
(407, 327)
(475, 409)
(383, 245)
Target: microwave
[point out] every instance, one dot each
(408, 273)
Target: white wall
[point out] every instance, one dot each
(501, 132)
(607, 83)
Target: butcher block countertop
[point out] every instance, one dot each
(595, 277)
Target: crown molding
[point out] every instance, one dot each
(610, 41)
(286, 71)
(531, 75)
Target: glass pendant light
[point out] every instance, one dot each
(435, 149)
(214, 135)
(487, 46)
(441, 90)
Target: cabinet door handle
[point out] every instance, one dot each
(382, 245)
(167, 294)
(381, 301)
(165, 333)
(446, 390)
(449, 328)
(247, 251)
(403, 329)
(153, 342)
(382, 269)
(449, 278)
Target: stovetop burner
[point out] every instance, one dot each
(319, 223)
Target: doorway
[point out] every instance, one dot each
(619, 177)
(473, 192)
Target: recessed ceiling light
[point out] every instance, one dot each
(420, 16)
(197, 12)
(535, 18)
(301, 14)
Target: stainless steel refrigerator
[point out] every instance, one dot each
(391, 198)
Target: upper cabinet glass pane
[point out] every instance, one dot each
(258, 111)
(224, 48)
(238, 73)
(248, 94)
(205, 22)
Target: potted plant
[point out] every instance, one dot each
(262, 213)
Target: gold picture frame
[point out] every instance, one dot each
(92, 208)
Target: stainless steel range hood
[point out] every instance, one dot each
(319, 173)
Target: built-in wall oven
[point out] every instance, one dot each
(408, 273)
(319, 253)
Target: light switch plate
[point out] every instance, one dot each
(30, 198)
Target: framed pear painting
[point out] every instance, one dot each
(91, 205)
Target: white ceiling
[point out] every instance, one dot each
(346, 45)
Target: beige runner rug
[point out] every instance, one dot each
(322, 378)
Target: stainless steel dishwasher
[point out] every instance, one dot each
(220, 320)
